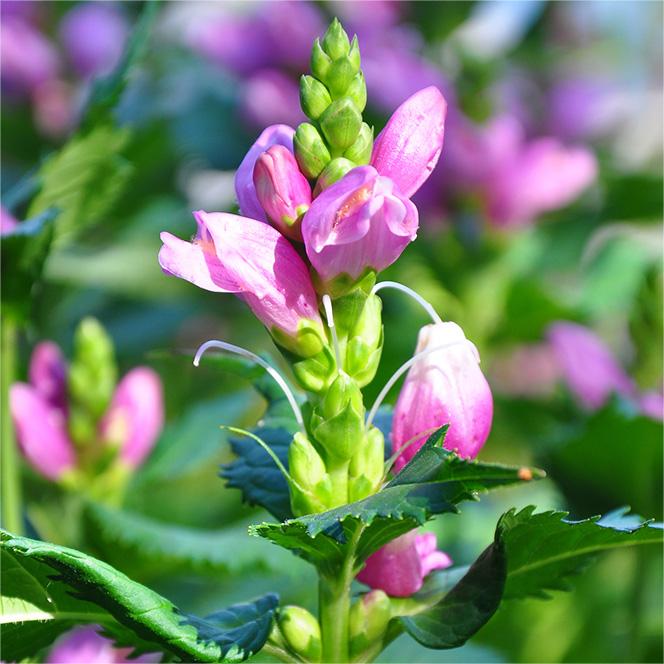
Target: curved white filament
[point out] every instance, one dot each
(400, 371)
(329, 314)
(243, 352)
(427, 306)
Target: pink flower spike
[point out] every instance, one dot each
(244, 177)
(444, 386)
(588, 366)
(232, 254)
(135, 417)
(48, 374)
(407, 150)
(41, 432)
(362, 222)
(283, 192)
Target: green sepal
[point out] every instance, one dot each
(341, 123)
(307, 342)
(360, 151)
(343, 284)
(340, 76)
(362, 361)
(332, 173)
(312, 489)
(368, 620)
(354, 54)
(320, 61)
(315, 374)
(342, 434)
(367, 466)
(335, 41)
(301, 632)
(314, 97)
(310, 150)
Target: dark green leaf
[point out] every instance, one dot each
(64, 586)
(543, 550)
(434, 482)
(24, 251)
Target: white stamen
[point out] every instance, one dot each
(400, 371)
(243, 352)
(329, 314)
(427, 306)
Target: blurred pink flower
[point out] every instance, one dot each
(7, 221)
(48, 374)
(526, 371)
(54, 108)
(270, 97)
(652, 404)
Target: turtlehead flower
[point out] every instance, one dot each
(283, 192)
(444, 386)
(587, 365)
(135, 417)
(232, 254)
(360, 223)
(84, 645)
(399, 568)
(48, 374)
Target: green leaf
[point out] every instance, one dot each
(84, 179)
(122, 536)
(543, 550)
(467, 607)
(434, 482)
(87, 590)
(23, 254)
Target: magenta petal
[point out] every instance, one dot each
(445, 386)
(407, 150)
(48, 374)
(430, 557)
(135, 417)
(41, 432)
(244, 177)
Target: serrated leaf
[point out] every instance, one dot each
(543, 550)
(23, 253)
(434, 482)
(86, 590)
(122, 535)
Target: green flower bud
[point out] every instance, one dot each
(310, 150)
(93, 372)
(368, 618)
(341, 123)
(316, 373)
(335, 40)
(334, 171)
(357, 91)
(302, 632)
(343, 391)
(320, 61)
(367, 466)
(354, 53)
(307, 469)
(314, 97)
(360, 151)
(365, 342)
(340, 76)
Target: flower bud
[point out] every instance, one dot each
(332, 173)
(368, 619)
(340, 76)
(360, 151)
(338, 424)
(282, 190)
(310, 150)
(314, 97)
(302, 632)
(367, 466)
(320, 61)
(308, 470)
(341, 123)
(316, 373)
(444, 386)
(335, 40)
(365, 342)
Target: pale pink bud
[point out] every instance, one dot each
(444, 386)
(282, 190)
(135, 417)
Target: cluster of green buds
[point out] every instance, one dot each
(333, 98)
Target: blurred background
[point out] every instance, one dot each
(540, 234)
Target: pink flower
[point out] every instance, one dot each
(135, 417)
(282, 190)
(444, 386)
(588, 366)
(407, 150)
(41, 432)
(48, 374)
(84, 645)
(652, 404)
(244, 177)
(7, 221)
(359, 223)
(271, 97)
(232, 254)
(399, 567)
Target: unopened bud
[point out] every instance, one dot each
(310, 150)
(365, 342)
(368, 620)
(335, 40)
(357, 91)
(367, 466)
(314, 97)
(340, 76)
(316, 373)
(320, 61)
(302, 632)
(333, 172)
(354, 53)
(282, 190)
(341, 123)
(360, 152)
(307, 469)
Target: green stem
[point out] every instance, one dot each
(11, 486)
